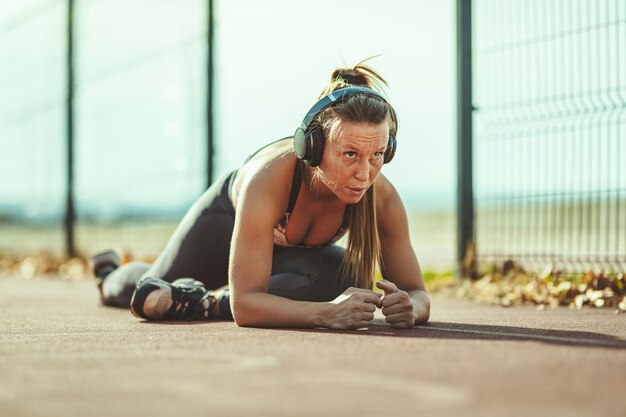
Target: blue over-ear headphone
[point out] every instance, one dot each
(308, 141)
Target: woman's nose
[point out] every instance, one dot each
(362, 171)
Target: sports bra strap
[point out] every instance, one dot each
(295, 186)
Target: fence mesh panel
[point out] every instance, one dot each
(549, 83)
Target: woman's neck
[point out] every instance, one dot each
(316, 187)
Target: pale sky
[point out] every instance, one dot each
(140, 115)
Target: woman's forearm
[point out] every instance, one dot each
(421, 306)
(260, 309)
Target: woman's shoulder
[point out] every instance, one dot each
(269, 171)
(385, 191)
(390, 210)
(274, 162)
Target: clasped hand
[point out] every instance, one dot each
(397, 306)
(355, 307)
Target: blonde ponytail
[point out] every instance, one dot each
(363, 252)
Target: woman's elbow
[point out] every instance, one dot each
(242, 313)
(239, 315)
(242, 320)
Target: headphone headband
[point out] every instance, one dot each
(309, 145)
(331, 98)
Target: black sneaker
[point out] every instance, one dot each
(183, 299)
(104, 263)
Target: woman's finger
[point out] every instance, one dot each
(368, 316)
(397, 308)
(403, 324)
(401, 319)
(369, 307)
(387, 286)
(361, 324)
(372, 298)
(395, 298)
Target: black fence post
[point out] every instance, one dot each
(465, 203)
(70, 215)
(209, 97)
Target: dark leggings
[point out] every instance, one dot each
(200, 246)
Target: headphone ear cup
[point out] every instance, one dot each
(391, 149)
(299, 143)
(316, 140)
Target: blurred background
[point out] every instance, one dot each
(546, 154)
(140, 117)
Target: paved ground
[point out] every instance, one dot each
(61, 354)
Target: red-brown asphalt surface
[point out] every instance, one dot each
(62, 354)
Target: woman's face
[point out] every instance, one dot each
(353, 158)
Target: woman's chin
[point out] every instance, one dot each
(351, 197)
(354, 200)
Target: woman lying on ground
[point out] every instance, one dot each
(258, 245)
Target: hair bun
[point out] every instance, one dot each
(358, 76)
(349, 76)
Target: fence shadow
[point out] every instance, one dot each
(444, 330)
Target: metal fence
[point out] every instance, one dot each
(549, 132)
(103, 122)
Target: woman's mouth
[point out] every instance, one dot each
(357, 190)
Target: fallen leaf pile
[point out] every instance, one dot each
(507, 285)
(510, 285)
(44, 263)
